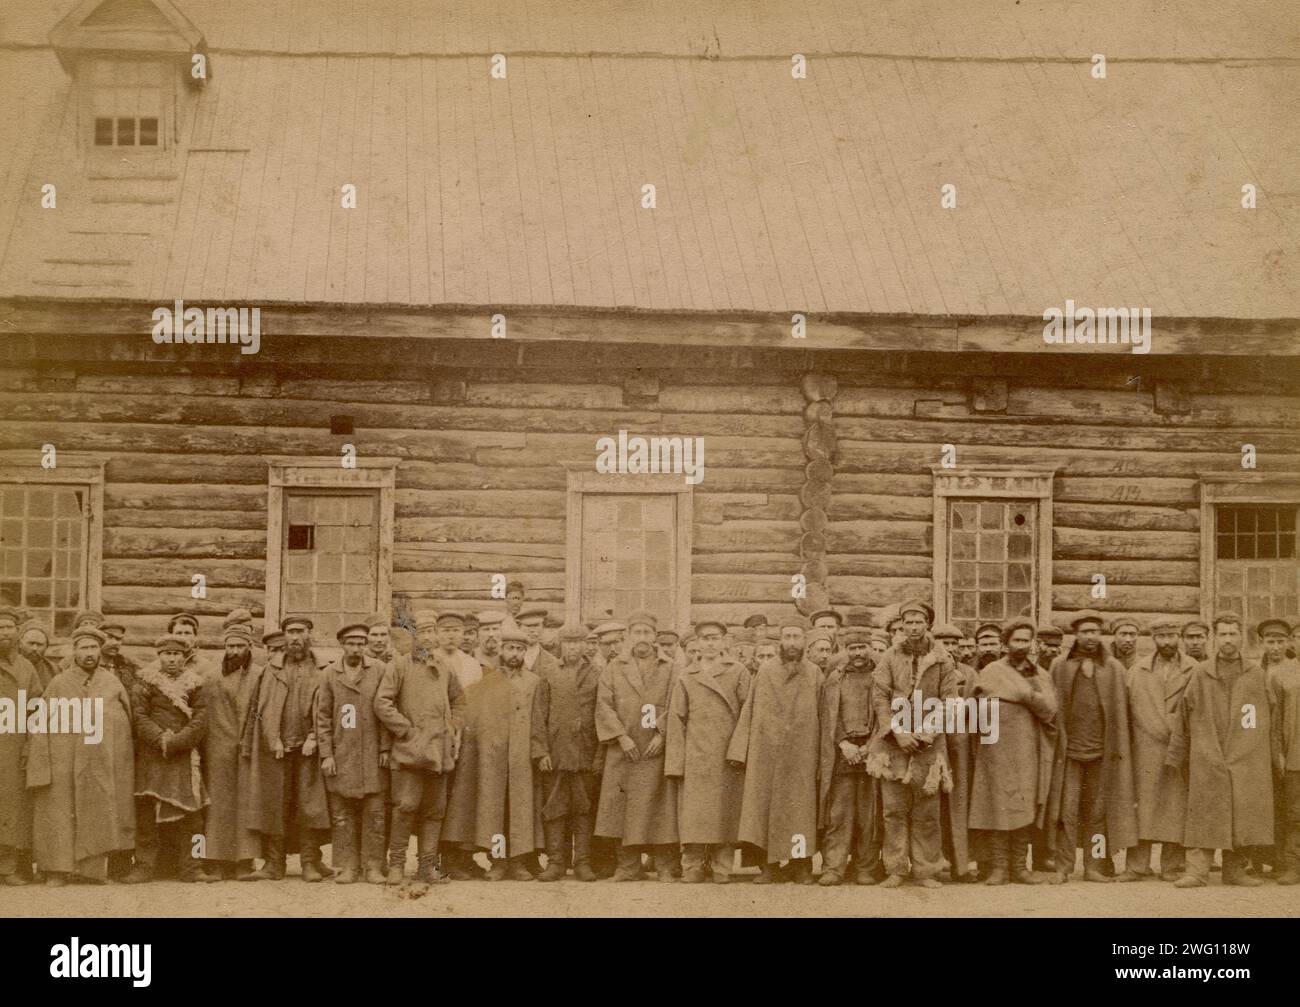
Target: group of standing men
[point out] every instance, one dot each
(624, 746)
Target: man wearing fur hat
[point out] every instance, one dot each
(848, 796)
(1012, 775)
(286, 792)
(354, 758)
(421, 702)
(1092, 802)
(83, 804)
(777, 740)
(706, 702)
(638, 804)
(569, 757)
(1155, 690)
(911, 759)
(492, 804)
(230, 691)
(169, 709)
(18, 683)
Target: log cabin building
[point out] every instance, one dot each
(864, 361)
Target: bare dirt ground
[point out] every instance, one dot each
(569, 898)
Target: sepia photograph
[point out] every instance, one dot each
(765, 459)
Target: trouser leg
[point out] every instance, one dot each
(1173, 859)
(897, 800)
(182, 841)
(344, 818)
(426, 850)
(555, 832)
(839, 828)
(148, 838)
(582, 825)
(926, 847)
(1092, 814)
(373, 837)
(1067, 836)
(1198, 863)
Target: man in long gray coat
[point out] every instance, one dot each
(702, 715)
(19, 682)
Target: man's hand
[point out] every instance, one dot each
(544, 764)
(629, 748)
(598, 763)
(162, 742)
(278, 750)
(309, 747)
(383, 760)
(907, 742)
(850, 752)
(655, 747)
(328, 768)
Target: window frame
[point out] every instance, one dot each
(1235, 488)
(582, 484)
(91, 93)
(328, 473)
(80, 469)
(993, 483)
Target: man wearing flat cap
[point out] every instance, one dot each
(610, 636)
(1196, 641)
(706, 702)
(379, 637)
(569, 758)
(638, 804)
(493, 805)
(421, 703)
(33, 642)
(666, 641)
(83, 795)
(170, 716)
(488, 651)
(112, 657)
(1048, 645)
(449, 631)
(273, 642)
(286, 791)
(1224, 740)
(988, 643)
(1284, 681)
(848, 796)
(954, 805)
(18, 682)
(911, 763)
(819, 646)
(777, 741)
(1012, 775)
(469, 639)
(354, 750)
(1155, 690)
(229, 694)
(1092, 802)
(1123, 647)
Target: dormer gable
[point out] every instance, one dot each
(147, 28)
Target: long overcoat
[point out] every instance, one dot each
(19, 683)
(229, 701)
(349, 731)
(1155, 690)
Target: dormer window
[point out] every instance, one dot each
(126, 106)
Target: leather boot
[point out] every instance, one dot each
(801, 872)
(629, 865)
(582, 869)
(1019, 852)
(999, 849)
(556, 854)
(344, 853)
(1095, 870)
(273, 850)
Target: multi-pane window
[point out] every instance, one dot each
(126, 103)
(329, 558)
(1256, 573)
(992, 560)
(44, 532)
(629, 555)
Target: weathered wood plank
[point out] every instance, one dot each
(473, 585)
(1128, 598)
(208, 496)
(863, 506)
(199, 543)
(169, 572)
(449, 503)
(1135, 517)
(1118, 571)
(1101, 546)
(136, 600)
(879, 537)
(484, 529)
(1150, 490)
(184, 518)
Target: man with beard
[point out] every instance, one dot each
(706, 702)
(379, 638)
(910, 761)
(83, 802)
(33, 642)
(569, 758)
(229, 694)
(1284, 682)
(966, 650)
(818, 647)
(857, 617)
(778, 741)
(469, 639)
(18, 683)
(1224, 738)
(638, 804)
(610, 636)
(988, 644)
(1125, 631)
(488, 651)
(1155, 688)
(112, 657)
(421, 703)
(1196, 641)
(1013, 775)
(848, 796)
(1091, 804)
(169, 713)
(286, 802)
(492, 805)
(1049, 645)
(354, 758)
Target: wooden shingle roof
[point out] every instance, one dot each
(773, 194)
